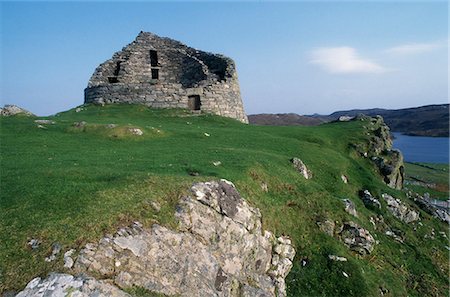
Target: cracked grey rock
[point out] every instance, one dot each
(59, 285)
(399, 210)
(357, 238)
(301, 167)
(219, 249)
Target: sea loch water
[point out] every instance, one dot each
(422, 149)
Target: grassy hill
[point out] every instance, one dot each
(71, 184)
(429, 120)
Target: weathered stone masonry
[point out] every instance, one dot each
(164, 73)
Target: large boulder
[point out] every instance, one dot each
(301, 168)
(219, 249)
(400, 210)
(357, 238)
(369, 201)
(350, 207)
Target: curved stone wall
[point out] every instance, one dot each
(164, 73)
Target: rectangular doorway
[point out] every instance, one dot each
(194, 102)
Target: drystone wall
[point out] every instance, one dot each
(164, 73)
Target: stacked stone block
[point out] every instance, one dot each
(164, 73)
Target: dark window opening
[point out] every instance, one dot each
(113, 79)
(155, 73)
(194, 102)
(117, 69)
(153, 58)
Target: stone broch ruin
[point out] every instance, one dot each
(164, 73)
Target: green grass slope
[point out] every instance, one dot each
(428, 178)
(71, 185)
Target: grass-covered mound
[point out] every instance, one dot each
(72, 182)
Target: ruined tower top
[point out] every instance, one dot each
(164, 73)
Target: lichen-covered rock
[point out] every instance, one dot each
(369, 201)
(430, 206)
(350, 207)
(218, 250)
(400, 210)
(391, 168)
(135, 131)
(59, 285)
(326, 226)
(301, 167)
(11, 110)
(357, 238)
(379, 149)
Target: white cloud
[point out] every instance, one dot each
(414, 48)
(343, 60)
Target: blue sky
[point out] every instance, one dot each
(302, 57)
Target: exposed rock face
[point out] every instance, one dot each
(350, 207)
(11, 110)
(327, 226)
(357, 238)
(392, 168)
(379, 149)
(164, 73)
(301, 167)
(58, 285)
(400, 210)
(219, 250)
(389, 161)
(428, 205)
(369, 201)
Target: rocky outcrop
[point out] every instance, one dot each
(369, 201)
(391, 168)
(379, 149)
(219, 249)
(350, 207)
(442, 212)
(357, 238)
(11, 110)
(400, 210)
(301, 168)
(58, 285)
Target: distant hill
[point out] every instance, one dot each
(429, 120)
(284, 119)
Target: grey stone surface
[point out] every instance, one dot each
(400, 210)
(379, 149)
(34, 243)
(135, 131)
(369, 201)
(432, 207)
(68, 260)
(301, 167)
(11, 110)
(45, 122)
(350, 207)
(164, 73)
(56, 249)
(219, 249)
(337, 258)
(62, 285)
(357, 238)
(327, 226)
